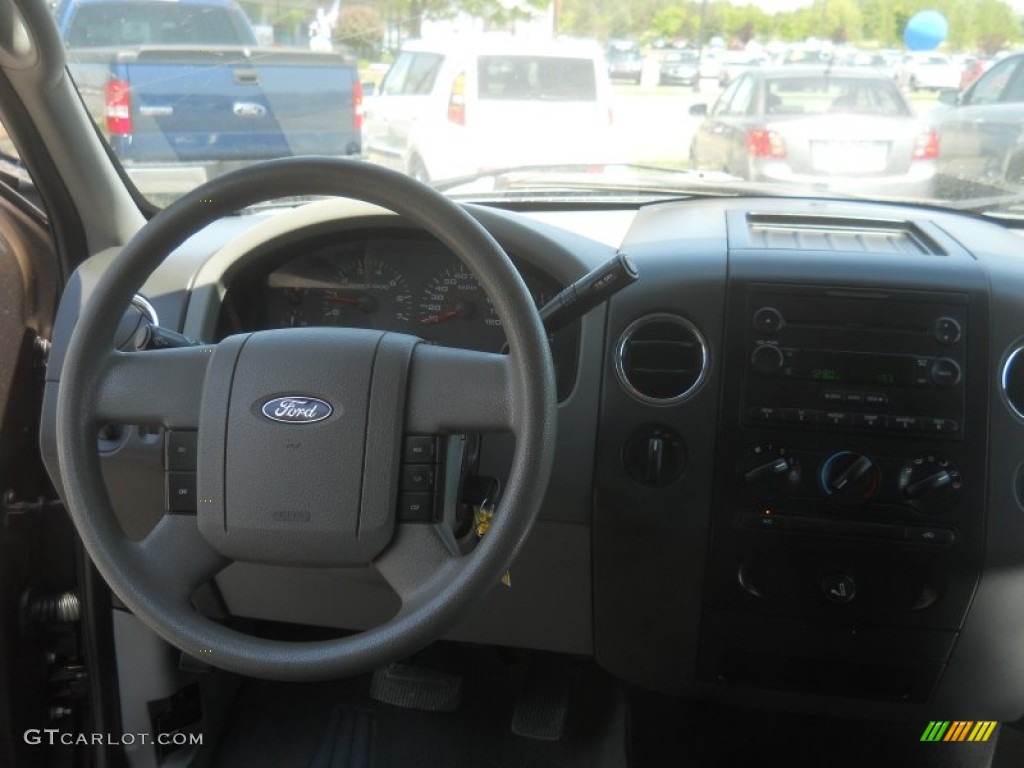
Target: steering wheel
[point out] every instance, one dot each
(313, 483)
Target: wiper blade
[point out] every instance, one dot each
(1005, 203)
(640, 181)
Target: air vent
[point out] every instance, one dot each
(661, 359)
(1013, 380)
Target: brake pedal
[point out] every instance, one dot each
(413, 687)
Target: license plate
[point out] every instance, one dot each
(849, 156)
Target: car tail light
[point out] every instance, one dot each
(764, 143)
(118, 107)
(457, 100)
(927, 146)
(357, 105)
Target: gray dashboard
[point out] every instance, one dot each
(651, 567)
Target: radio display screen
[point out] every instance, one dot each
(852, 368)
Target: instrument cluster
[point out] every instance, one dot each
(402, 284)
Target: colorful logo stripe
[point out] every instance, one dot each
(958, 730)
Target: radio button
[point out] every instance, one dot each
(873, 421)
(765, 414)
(945, 373)
(904, 423)
(767, 359)
(768, 320)
(802, 416)
(837, 419)
(921, 375)
(946, 331)
(831, 397)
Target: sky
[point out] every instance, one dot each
(775, 6)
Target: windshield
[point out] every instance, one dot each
(543, 99)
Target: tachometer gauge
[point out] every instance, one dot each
(369, 293)
(454, 310)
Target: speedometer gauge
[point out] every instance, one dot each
(454, 310)
(369, 293)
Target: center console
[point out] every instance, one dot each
(848, 521)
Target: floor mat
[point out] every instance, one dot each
(339, 725)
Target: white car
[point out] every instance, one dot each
(501, 102)
(932, 71)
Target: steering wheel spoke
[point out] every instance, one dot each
(420, 560)
(458, 390)
(178, 557)
(154, 387)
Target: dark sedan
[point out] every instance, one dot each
(846, 130)
(982, 134)
(679, 68)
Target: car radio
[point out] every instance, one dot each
(832, 358)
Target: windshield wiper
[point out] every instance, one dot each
(1008, 204)
(620, 180)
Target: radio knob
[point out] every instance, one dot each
(944, 373)
(768, 320)
(931, 484)
(767, 359)
(849, 478)
(771, 472)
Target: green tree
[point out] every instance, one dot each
(361, 29)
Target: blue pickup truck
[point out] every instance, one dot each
(183, 91)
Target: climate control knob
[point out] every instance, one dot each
(767, 359)
(931, 484)
(850, 478)
(771, 472)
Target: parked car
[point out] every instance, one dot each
(502, 101)
(625, 65)
(973, 68)
(679, 68)
(929, 72)
(182, 90)
(982, 133)
(712, 61)
(842, 129)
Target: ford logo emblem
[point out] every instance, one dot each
(295, 409)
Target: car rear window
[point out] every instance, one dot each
(824, 95)
(543, 78)
(127, 24)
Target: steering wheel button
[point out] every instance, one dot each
(418, 477)
(420, 448)
(180, 446)
(416, 508)
(181, 491)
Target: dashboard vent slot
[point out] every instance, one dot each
(843, 235)
(661, 359)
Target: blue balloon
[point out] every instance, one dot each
(925, 31)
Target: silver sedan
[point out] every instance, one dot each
(830, 129)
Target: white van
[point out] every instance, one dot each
(459, 107)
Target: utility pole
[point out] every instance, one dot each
(556, 17)
(700, 43)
